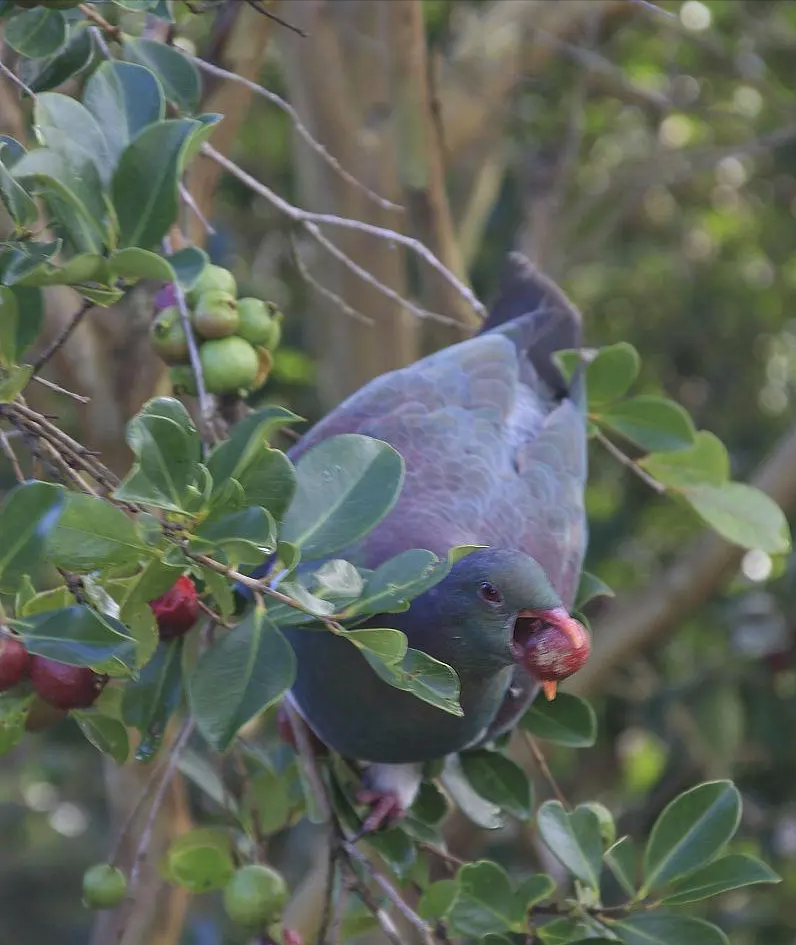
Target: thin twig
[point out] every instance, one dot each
(307, 218)
(168, 773)
(90, 13)
(61, 390)
(188, 200)
(333, 297)
(11, 456)
(538, 754)
(255, 5)
(625, 460)
(62, 337)
(16, 80)
(307, 756)
(206, 405)
(388, 889)
(301, 129)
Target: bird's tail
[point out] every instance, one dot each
(543, 321)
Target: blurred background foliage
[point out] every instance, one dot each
(644, 156)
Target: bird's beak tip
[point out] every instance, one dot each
(550, 688)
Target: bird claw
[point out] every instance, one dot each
(386, 810)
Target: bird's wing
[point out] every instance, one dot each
(491, 457)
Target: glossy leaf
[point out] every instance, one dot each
(245, 536)
(144, 186)
(385, 643)
(188, 264)
(62, 123)
(498, 779)
(105, 733)
(651, 423)
(661, 928)
(20, 206)
(345, 486)
(68, 181)
(705, 463)
(79, 636)
(337, 580)
(393, 584)
(270, 799)
(569, 931)
(92, 533)
(485, 902)
(151, 700)
(41, 75)
(610, 373)
(180, 78)
(691, 831)
(533, 889)
(743, 515)
(591, 587)
(438, 899)
(425, 677)
(574, 839)
(133, 264)
(36, 33)
(568, 720)
(622, 860)
(246, 671)
(481, 812)
(124, 98)
(14, 707)
(729, 872)
(201, 860)
(26, 516)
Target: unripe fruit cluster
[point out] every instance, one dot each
(235, 336)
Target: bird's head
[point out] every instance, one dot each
(505, 598)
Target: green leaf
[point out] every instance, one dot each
(248, 440)
(20, 206)
(270, 482)
(202, 133)
(720, 876)
(14, 706)
(201, 860)
(610, 373)
(125, 98)
(61, 123)
(245, 536)
(385, 643)
(691, 831)
(430, 805)
(188, 264)
(705, 463)
(337, 580)
(30, 317)
(151, 700)
(42, 75)
(651, 423)
(219, 587)
(533, 889)
(105, 733)
(133, 264)
(144, 186)
(568, 720)
(622, 860)
(203, 773)
(244, 673)
(574, 839)
(393, 584)
(78, 636)
(26, 516)
(570, 931)
(68, 181)
(425, 677)
(485, 902)
(92, 533)
(481, 812)
(36, 33)
(396, 848)
(661, 928)
(438, 899)
(589, 588)
(270, 799)
(498, 779)
(168, 450)
(179, 76)
(743, 515)
(345, 486)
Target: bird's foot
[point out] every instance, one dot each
(385, 810)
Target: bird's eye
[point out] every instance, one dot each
(490, 593)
